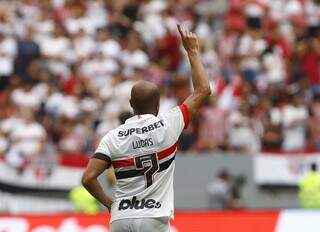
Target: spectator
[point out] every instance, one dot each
(72, 139)
(82, 201)
(308, 54)
(27, 140)
(315, 126)
(222, 192)
(242, 135)
(212, 130)
(28, 51)
(26, 97)
(271, 135)
(8, 50)
(294, 120)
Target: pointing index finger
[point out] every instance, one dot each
(180, 30)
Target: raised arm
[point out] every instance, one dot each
(199, 77)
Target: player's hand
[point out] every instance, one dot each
(108, 205)
(189, 40)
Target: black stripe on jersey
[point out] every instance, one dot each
(102, 157)
(133, 173)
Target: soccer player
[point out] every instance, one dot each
(142, 152)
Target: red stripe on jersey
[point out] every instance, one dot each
(123, 163)
(167, 152)
(130, 162)
(185, 114)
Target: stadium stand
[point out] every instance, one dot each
(67, 67)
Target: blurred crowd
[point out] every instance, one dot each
(67, 66)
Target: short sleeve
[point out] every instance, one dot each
(177, 119)
(185, 114)
(103, 152)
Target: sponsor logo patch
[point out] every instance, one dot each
(138, 204)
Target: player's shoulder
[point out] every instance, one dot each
(178, 117)
(113, 134)
(172, 112)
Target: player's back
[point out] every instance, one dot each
(142, 152)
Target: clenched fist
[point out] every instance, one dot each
(189, 40)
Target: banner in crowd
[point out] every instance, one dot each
(240, 221)
(36, 177)
(280, 169)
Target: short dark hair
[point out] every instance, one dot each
(314, 167)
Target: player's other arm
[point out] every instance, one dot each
(199, 77)
(89, 180)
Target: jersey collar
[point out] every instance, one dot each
(140, 116)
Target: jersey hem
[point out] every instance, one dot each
(133, 217)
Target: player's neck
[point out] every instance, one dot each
(155, 113)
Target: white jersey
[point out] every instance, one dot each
(142, 152)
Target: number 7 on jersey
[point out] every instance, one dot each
(150, 166)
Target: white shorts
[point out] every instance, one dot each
(141, 225)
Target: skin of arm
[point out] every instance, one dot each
(89, 180)
(200, 79)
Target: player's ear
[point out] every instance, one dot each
(131, 103)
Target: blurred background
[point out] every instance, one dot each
(66, 70)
